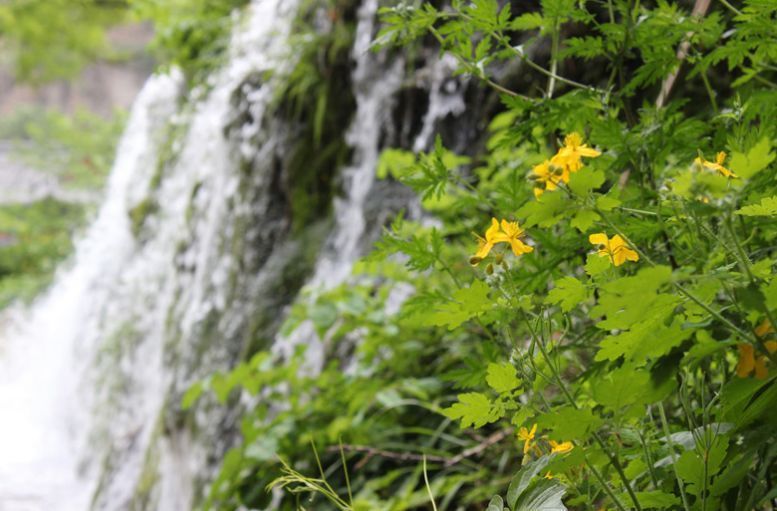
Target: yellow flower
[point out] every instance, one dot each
(749, 363)
(717, 165)
(570, 156)
(512, 235)
(615, 248)
(527, 437)
(548, 475)
(764, 329)
(560, 447)
(493, 236)
(547, 176)
(508, 232)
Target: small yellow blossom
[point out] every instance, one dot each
(615, 248)
(764, 329)
(750, 363)
(507, 232)
(560, 447)
(570, 156)
(716, 165)
(512, 235)
(528, 438)
(493, 236)
(548, 475)
(547, 176)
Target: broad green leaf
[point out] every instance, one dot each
(569, 423)
(585, 180)
(467, 303)
(523, 478)
(473, 409)
(621, 387)
(767, 207)
(584, 219)
(646, 340)
(568, 293)
(607, 203)
(546, 211)
(502, 377)
(757, 158)
(542, 495)
(596, 265)
(496, 504)
(654, 499)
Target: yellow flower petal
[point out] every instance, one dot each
(746, 363)
(560, 447)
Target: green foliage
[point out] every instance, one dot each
(191, 34)
(34, 238)
(78, 148)
(624, 360)
(51, 39)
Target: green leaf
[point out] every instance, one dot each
(654, 499)
(757, 158)
(767, 207)
(568, 293)
(645, 340)
(395, 162)
(546, 211)
(585, 180)
(542, 495)
(596, 265)
(496, 504)
(473, 409)
(584, 219)
(191, 395)
(528, 21)
(523, 478)
(468, 302)
(607, 203)
(502, 377)
(621, 387)
(770, 294)
(569, 423)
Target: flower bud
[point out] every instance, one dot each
(490, 269)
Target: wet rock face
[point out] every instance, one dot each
(242, 219)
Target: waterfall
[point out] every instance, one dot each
(189, 263)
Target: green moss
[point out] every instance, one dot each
(317, 95)
(140, 213)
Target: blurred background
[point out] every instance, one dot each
(69, 71)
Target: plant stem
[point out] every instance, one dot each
(612, 457)
(669, 440)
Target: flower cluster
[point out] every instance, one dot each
(569, 159)
(504, 232)
(530, 443)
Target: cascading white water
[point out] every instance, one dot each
(164, 284)
(90, 355)
(43, 411)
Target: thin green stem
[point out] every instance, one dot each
(710, 92)
(612, 457)
(731, 8)
(669, 440)
(554, 38)
(429, 488)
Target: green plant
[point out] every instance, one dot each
(609, 342)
